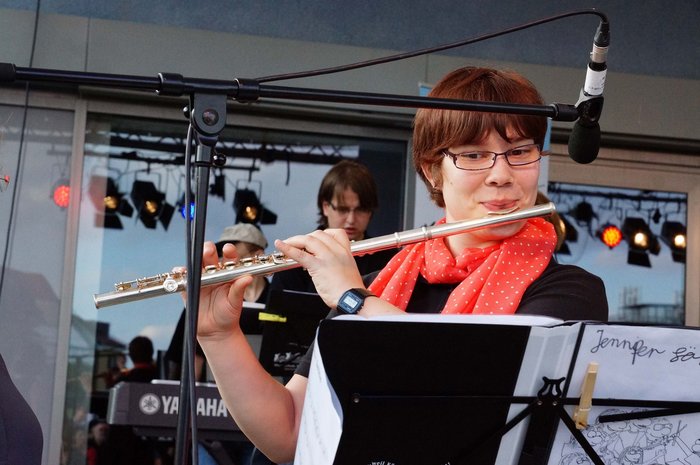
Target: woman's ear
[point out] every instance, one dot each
(428, 173)
(432, 174)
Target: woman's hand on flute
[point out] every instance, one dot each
(220, 306)
(327, 258)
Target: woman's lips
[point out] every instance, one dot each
(500, 206)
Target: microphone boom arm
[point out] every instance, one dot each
(249, 90)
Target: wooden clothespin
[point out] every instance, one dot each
(584, 405)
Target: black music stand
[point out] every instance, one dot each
(433, 393)
(291, 319)
(403, 405)
(437, 393)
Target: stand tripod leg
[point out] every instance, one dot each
(592, 454)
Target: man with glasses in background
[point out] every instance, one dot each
(347, 198)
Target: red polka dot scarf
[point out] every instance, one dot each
(492, 280)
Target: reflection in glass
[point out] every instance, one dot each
(141, 162)
(628, 238)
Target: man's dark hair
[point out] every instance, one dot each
(141, 349)
(347, 174)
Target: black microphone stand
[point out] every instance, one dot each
(207, 114)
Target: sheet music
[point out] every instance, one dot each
(321, 420)
(645, 363)
(517, 320)
(548, 354)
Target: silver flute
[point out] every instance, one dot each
(176, 281)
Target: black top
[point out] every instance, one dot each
(140, 373)
(297, 279)
(21, 439)
(565, 292)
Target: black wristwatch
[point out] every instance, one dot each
(352, 300)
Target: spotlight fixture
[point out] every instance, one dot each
(610, 235)
(564, 249)
(583, 213)
(640, 240)
(151, 205)
(109, 203)
(250, 210)
(673, 234)
(570, 232)
(61, 193)
(218, 187)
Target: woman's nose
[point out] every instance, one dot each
(501, 172)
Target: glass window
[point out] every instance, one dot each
(635, 241)
(125, 157)
(33, 216)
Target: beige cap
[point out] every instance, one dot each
(243, 232)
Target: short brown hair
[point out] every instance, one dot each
(436, 130)
(347, 174)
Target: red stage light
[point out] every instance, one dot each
(61, 195)
(611, 236)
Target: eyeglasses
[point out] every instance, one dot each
(483, 160)
(345, 211)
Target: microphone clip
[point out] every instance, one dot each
(589, 108)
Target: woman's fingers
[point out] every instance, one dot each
(326, 256)
(318, 244)
(209, 255)
(229, 252)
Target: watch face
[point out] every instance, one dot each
(349, 302)
(352, 301)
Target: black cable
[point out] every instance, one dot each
(191, 341)
(425, 51)
(23, 128)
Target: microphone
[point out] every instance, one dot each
(584, 141)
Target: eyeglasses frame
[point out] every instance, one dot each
(356, 210)
(454, 156)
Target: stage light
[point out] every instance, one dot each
(564, 249)
(640, 240)
(639, 258)
(109, 203)
(151, 205)
(61, 193)
(250, 210)
(610, 235)
(180, 205)
(218, 187)
(673, 234)
(570, 232)
(268, 217)
(583, 213)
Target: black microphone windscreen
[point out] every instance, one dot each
(584, 142)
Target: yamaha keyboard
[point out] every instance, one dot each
(152, 410)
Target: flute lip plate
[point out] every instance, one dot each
(502, 212)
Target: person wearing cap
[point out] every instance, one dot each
(249, 242)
